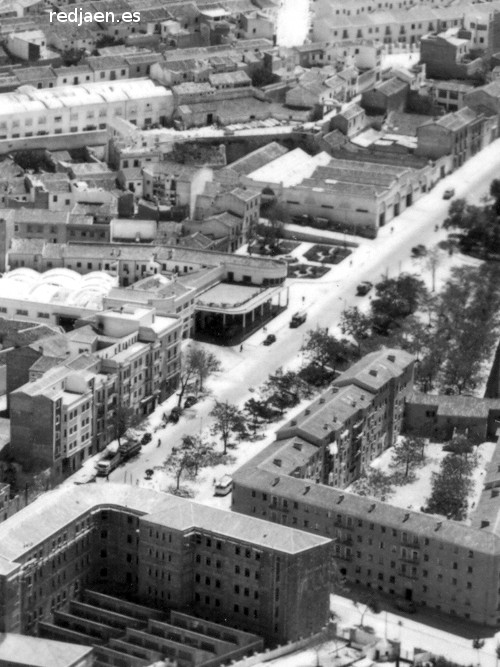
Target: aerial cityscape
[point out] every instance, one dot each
(249, 333)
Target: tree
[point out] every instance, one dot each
(33, 159)
(356, 324)
(460, 445)
(199, 451)
(370, 603)
(451, 487)
(433, 261)
(72, 56)
(325, 350)
(495, 193)
(123, 418)
(375, 484)
(258, 410)
(396, 299)
(204, 363)
(179, 462)
(196, 363)
(228, 418)
(408, 453)
(283, 389)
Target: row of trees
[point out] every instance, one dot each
(479, 225)
(452, 334)
(451, 487)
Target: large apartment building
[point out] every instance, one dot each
(300, 480)
(162, 551)
(128, 359)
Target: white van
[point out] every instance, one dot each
(224, 486)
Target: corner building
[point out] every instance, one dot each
(446, 565)
(161, 551)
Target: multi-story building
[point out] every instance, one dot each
(461, 134)
(82, 108)
(446, 55)
(451, 566)
(163, 551)
(70, 409)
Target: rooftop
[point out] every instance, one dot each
(57, 508)
(24, 650)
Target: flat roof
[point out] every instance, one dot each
(226, 294)
(38, 652)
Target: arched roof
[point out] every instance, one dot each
(59, 285)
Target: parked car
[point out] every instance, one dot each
(364, 287)
(449, 193)
(406, 605)
(190, 400)
(147, 437)
(271, 338)
(175, 415)
(419, 250)
(224, 486)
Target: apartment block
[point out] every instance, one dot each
(450, 566)
(126, 359)
(461, 134)
(163, 551)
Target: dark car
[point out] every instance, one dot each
(407, 606)
(175, 415)
(146, 438)
(448, 193)
(270, 340)
(190, 400)
(419, 250)
(364, 287)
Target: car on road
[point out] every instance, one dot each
(449, 193)
(419, 250)
(363, 288)
(271, 338)
(190, 400)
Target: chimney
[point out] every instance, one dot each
(485, 524)
(306, 490)
(341, 498)
(372, 507)
(275, 481)
(277, 462)
(406, 517)
(438, 526)
(391, 357)
(373, 372)
(307, 412)
(297, 446)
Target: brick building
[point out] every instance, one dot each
(67, 412)
(163, 551)
(453, 567)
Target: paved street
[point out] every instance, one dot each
(414, 632)
(325, 300)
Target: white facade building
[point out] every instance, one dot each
(30, 112)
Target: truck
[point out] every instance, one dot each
(129, 449)
(297, 319)
(108, 463)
